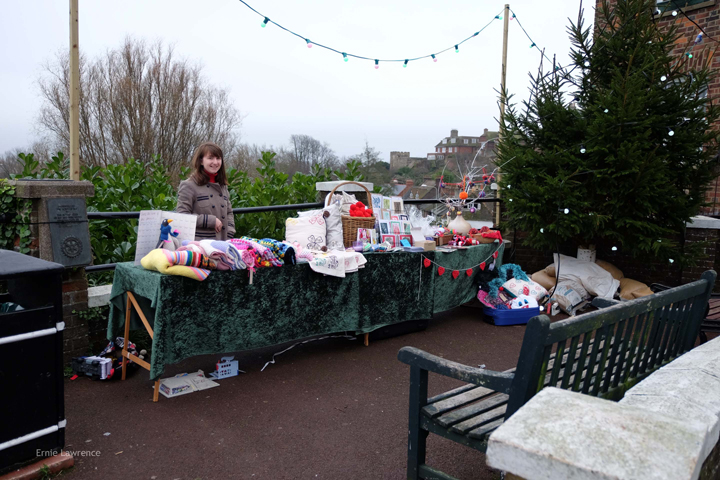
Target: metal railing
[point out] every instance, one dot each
(269, 208)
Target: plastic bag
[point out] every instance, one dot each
(570, 296)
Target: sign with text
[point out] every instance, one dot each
(69, 234)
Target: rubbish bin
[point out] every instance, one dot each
(32, 410)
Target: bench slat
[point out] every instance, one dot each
(472, 423)
(485, 430)
(459, 390)
(462, 414)
(438, 408)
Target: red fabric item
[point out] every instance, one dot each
(495, 254)
(493, 234)
(426, 262)
(212, 177)
(73, 377)
(455, 273)
(441, 270)
(469, 272)
(482, 266)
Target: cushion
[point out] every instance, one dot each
(631, 289)
(614, 271)
(308, 231)
(333, 225)
(543, 279)
(520, 287)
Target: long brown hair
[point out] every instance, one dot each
(199, 175)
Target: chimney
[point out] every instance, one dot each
(409, 183)
(485, 132)
(453, 133)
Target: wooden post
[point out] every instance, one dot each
(74, 94)
(503, 76)
(126, 339)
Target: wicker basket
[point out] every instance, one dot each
(481, 239)
(351, 224)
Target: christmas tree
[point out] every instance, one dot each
(616, 149)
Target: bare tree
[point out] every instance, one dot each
(137, 101)
(305, 151)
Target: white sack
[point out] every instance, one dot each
(597, 281)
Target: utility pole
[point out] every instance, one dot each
(503, 76)
(74, 93)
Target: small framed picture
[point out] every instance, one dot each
(385, 214)
(396, 227)
(406, 228)
(403, 217)
(386, 203)
(390, 239)
(377, 201)
(394, 217)
(384, 227)
(405, 237)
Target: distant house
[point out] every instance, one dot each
(454, 145)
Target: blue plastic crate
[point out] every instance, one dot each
(519, 316)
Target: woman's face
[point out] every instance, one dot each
(211, 163)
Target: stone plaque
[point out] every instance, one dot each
(69, 231)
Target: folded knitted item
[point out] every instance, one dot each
(223, 253)
(185, 264)
(302, 254)
(268, 257)
(282, 250)
(487, 233)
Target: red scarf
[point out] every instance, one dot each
(212, 177)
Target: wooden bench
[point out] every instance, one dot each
(601, 353)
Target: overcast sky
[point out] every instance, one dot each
(284, 88)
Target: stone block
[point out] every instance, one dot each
(563, 434)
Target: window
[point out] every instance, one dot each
(666, 7)
(443, 149)
(466, 141)
(452, 140)
(444, 140)
(474, 140)
(441, 157)
(431, 157)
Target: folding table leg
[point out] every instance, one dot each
(367, 339)
(156, 391)
(126, 339)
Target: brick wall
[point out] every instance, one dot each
(75, 299)
(707, 16)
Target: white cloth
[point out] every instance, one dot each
(597, 281)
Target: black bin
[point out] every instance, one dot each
(32, 410)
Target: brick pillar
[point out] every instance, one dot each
(75, 296)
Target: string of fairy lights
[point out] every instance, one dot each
(565, 72)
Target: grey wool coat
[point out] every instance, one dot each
(208, 202)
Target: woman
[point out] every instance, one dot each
(206, 195)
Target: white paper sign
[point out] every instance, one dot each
(417, 235)
(149, 229)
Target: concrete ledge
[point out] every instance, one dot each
(328, 186)
(99, 296)
(701, 221)
(563, 434)
(52, 188)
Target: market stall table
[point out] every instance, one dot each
(225, 313)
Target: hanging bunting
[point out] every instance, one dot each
(495, 254)
(426, 262)
(455, 273)
(482, 266)
(469, 272)
(441, 270)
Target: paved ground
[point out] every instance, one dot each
(330, 409)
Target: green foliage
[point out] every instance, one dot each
(137, 185)
(595, 140)
(15, 213)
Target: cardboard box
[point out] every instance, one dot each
(481, 239)
(443, 240)
(428, 245)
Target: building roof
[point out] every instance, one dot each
(490, 137)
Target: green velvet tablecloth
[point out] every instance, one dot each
(226, 314)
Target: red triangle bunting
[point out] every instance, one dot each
(469, 272)
(426, 262)
(495, 254)
(482, 266)
(441, 270)
(455, 273)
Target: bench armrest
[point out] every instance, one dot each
(498, 381)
